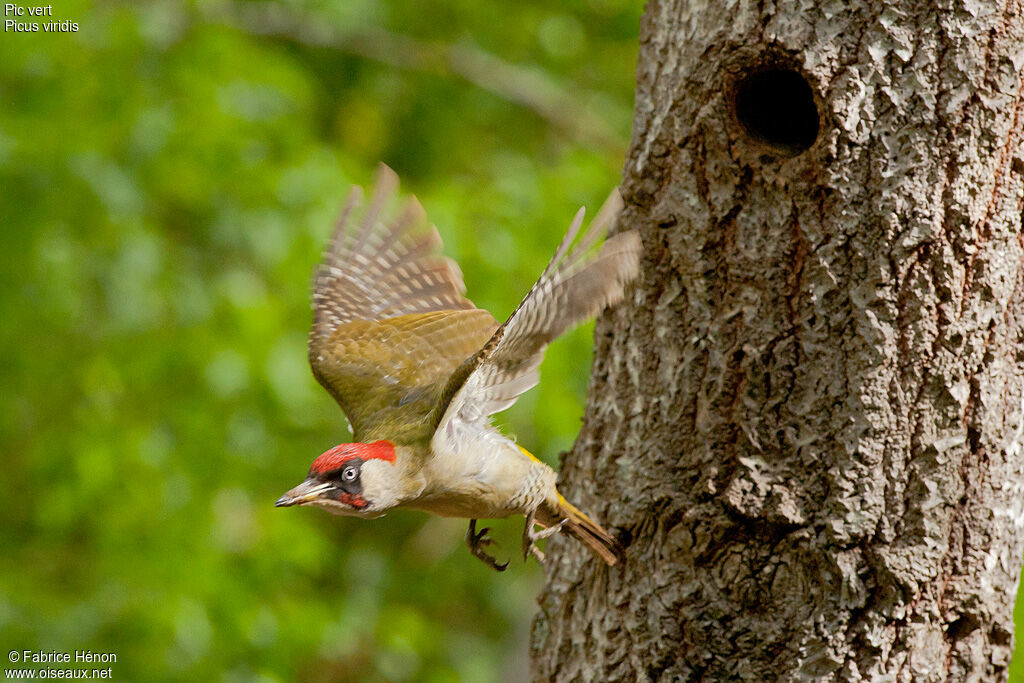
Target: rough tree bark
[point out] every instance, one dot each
(807, 422)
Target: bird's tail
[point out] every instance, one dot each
(585, 530)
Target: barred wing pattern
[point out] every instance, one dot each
(390, 322)
(575, 285)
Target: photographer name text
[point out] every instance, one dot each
(54, 657)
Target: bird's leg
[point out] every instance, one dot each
(477, 541)
(531, 536)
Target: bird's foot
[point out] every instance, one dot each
(477, 542)
(531, 536)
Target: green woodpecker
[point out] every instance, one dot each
(419, 370)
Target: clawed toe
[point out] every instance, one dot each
(477, 541)
(531, 536)
(481, 538)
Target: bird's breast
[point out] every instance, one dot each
(483, 475)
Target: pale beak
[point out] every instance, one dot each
(306, 492)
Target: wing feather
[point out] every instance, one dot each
(575, 285)
(390, 322)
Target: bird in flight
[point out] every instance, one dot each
(419, 370)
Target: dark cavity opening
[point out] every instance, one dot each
(776, 106)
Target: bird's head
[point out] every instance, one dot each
(356, 479)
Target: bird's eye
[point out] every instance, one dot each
(349, 474)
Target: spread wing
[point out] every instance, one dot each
(575, 285)
(390, 322)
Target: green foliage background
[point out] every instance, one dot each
(168, 175)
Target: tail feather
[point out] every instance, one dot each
(585, 530)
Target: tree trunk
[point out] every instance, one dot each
(807, 421)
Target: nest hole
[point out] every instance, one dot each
(776, 107)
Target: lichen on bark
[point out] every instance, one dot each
(806, 420)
